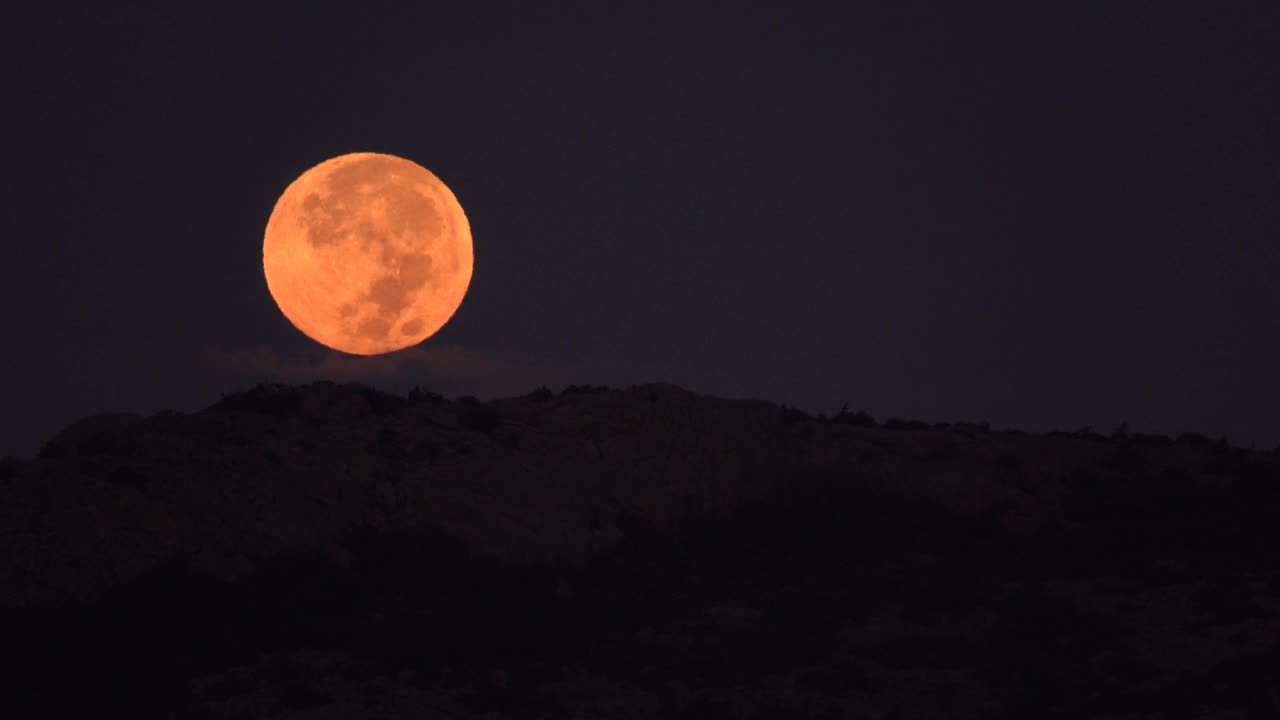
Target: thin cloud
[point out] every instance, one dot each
(452, 367)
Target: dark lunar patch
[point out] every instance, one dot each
(346, 310)
(325, 220)
(349, 188)
(331, 219)
(320, 234)
(412, 327)
(411, 271)
(390, 294)
(372, 236)
(408, 211)
(375, 327)
(415, 270)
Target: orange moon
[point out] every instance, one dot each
(368, 253)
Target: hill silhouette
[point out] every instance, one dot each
(334, 551)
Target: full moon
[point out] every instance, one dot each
(368, 253)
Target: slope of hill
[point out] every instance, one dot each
(332, 551)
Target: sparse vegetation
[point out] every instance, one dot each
(1222, 446)
(105, 442)
(899, 424)
(857, 419)
(1087, 432)
(789, 415)
(383, 403)
(50, 450)
(419, 396)
(1193, 438)
(970, 429)
(1150, 439)
(540, 394)
(264, 398)
(584, 389)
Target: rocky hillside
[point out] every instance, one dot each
(333, 551)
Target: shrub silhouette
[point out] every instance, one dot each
(542, 393)
(857, 419)
(105, 442)
(1088, 433)
(1222, 446)
(791, 415)
(1150, 439)
(419, 396)
(51, 450)
(1192, 438)
(383, 403)
(264, 398)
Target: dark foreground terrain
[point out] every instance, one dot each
(335, 552)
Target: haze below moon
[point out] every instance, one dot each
(368, 253)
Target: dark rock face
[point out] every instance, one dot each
(333, 551)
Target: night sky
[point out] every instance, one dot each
(1030, 214)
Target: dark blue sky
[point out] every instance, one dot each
(1022, 213)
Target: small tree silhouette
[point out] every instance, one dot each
(1192, 438)
(791, 415)
(382, 403)
(857, 419)
(419, 395)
